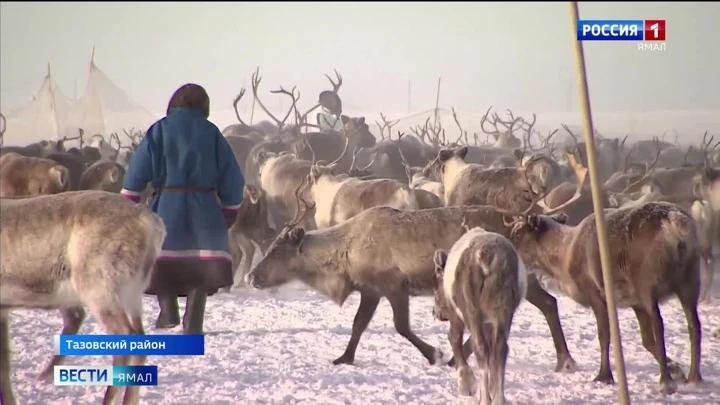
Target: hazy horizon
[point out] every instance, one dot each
(516, 55)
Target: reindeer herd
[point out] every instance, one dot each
(479, 225)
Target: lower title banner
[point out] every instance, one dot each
(129, 345)
(122, 376)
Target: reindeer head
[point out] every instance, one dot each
(252, 218)
(542, 174)
(356, 127)
(440, 309)
(710, 186)
(529, 233)
(284, 260)
(436, 168)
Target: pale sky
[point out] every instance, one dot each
(512, 54)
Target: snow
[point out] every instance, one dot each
(278, 349)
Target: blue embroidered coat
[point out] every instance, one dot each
(184, 149)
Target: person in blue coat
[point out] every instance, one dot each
(198, 191)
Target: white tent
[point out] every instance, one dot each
(103, 109)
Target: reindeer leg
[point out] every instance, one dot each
(667, 384)
(400, 303)
(479, 334)
(116, 323)
(73, 319)
(648, 340)
(688, 297)
(547, 304)
(600, 310)
(467, 385)
(7, 395)
(132, 394)
(248, 252)
(498, 359)
(368, 304)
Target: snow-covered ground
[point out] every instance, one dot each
(278, 349)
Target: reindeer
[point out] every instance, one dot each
(107, 176)
(339, 197)
(280, 174)
(334, 261)
(503, 138)
(249, 230)
(89, 248)
(655, 254)
(26, 176)
(463, 181)
(480, 283)
(416, 177)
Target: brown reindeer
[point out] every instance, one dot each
(335, 262)
(30, 176)
(250, 229)
(655, 254)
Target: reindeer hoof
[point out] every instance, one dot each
(668, 387)
(694, 378)
(605, 378)
(438, 358)
(676, 371)
(467, 384)
(566, 366)
(716, 335)
(344, 359)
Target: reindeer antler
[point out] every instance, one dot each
(386, 126)
(236, 100)
(707, 149)
(256, 79)
(406, 165)
(293, 97)
(580, 174)
(336, 85)
(648, 167)
(457, 122)
(301, 213)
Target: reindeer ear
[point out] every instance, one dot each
(60, 174)
(439, 259)
(253, 193)
(296, 235)
(461, 152)
(445, 154)
(560, 218)
(361, 120)
(698, 190)
(261, 157)
(518, 154)
(114, 174)
(534, 221)
(345, 119)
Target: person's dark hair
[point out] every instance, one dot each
(330, 101)
(190, 95)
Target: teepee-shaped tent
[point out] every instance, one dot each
(48, 115)
(105, 108)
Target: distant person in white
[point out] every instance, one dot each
(330, 116)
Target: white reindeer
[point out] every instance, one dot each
(80, 248)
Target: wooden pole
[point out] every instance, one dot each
(92, 58)
(437, 101)
(598, 208)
